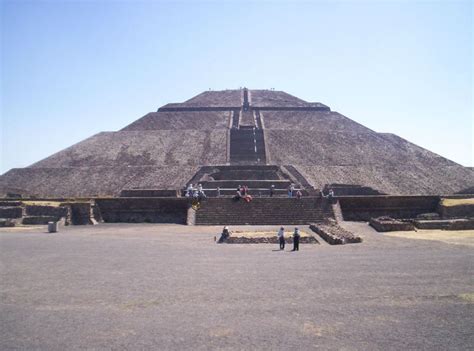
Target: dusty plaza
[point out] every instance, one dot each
(171, 287)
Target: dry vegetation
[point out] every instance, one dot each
(457, 202)
(41, 203)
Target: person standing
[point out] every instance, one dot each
(281, 238)
(290, 190)
(272, 188)
(189, 190)
(296, 240)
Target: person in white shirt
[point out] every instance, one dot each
(189, 190)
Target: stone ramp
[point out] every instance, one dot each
(263, 211)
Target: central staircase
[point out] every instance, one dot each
(247, 146)
(247, 159)
(263, 211)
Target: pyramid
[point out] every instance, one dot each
(254, 128)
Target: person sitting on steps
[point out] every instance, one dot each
(238, 194)
(224, 235)
(299, 195)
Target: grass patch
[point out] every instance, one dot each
(457, 202)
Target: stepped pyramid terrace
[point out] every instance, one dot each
(257, 138)
(310, 145)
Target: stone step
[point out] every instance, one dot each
(252, 184)
(31, 220)
(221, 211)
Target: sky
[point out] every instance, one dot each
(71, 69)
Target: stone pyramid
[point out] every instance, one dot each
(167, 148)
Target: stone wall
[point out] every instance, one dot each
(460, 211)
(452, 224)
(386, 224)
(53, 211)
(364, 208)
(138, 210)
(149, 193)
(11, 212)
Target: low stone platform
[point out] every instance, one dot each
(334, 234)
(243, 237)
(447, 224)
(387, 224)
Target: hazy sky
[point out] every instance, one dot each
(70, 69)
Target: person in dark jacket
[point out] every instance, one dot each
(272, 189)
(296, 240)
(224, 235)
(281, 238)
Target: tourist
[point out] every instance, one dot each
(218, 191)
(281, 238)
(247, 198)
(224, 235)
(291, 188)
(298, 194)
(296, 240)
(238, 194)
(200, 191)
(272, 189)
(189, 190)
(331, 194)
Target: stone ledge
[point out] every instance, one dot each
(387, 224)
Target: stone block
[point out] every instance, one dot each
(387, 224)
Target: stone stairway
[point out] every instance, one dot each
(235, 118)
(247, 146)
(258, 178)
(263, 211)
(254, 184)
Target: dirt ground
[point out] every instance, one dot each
(171, 287)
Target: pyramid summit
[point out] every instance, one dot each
(250, 130)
